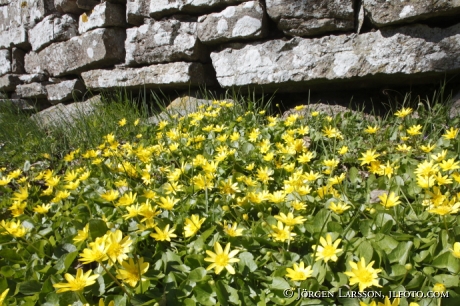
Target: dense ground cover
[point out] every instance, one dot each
(233, 206)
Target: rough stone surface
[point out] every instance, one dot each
(14, 36)
(32, 90)
(163, 41)
(17, 60)
(67, 6)
(20, 104)
(103, 15)
(64, 115)
(245, 21)
(52, 29)
(159, 8)
(24, 12)
(87, 4)
(384, 55)
(136, 11)
(173, 75)
(94, 49)
(313, 17)
(328, 109)
(64, 91)
(31, 78)
(9, 82)
(382, 13)
(5, 61)
(455, 107)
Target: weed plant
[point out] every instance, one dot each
(231, 205)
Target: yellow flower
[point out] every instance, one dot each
(368, 157)
(21, 195)
(232, 230)
(97, 251)
(388, 303)
(127, 199)
(456, 250)
(42, 209)
(168, 202)
(327, 250)
(451, 133)
(438, 287)
(15, 174)
(76, 283)
(132, 272)
(263, 174)
(449, 164)
(192, 225)
(163, 235)
(364, 276)
(428, 148)
(118, 246)
(122, 122)
(403, 112)
(371, 129)
(82, 235)
(339, 208)
(300, 272)
(3, 296)
(414, 130)
(5, 180)
(221, 259)
(289, 219)
(343, 150)
(282, 233)
(389, 200)
(12, 228)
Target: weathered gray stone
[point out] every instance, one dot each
(32, 90)
(5, 61)
(68, 6)
(181, 106)
(386, 55)
(14, 36)
(245, 21)
(17, 60)
(179, 75)
(5, 2)
(64, 115)
(159, 8)
(382, 13)
(313, 17)
(52, 29)
(24, 12)
(20, 104)
(31, 78)
(163, 41)
(65, 91)
(455, 106)
(136, 11)
(103, 15)
(9, 82)
(94, 49)
(87, 4)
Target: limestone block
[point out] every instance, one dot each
(163, 41)
(136, 11)
(245, 21)
(32, 90)
(20, 104)
(178, 75)
(159, 8)
(95, 49)
(9, 82)
(312, 17)
(103, 15)
(14, 36)
(68, 6)
(24, 12)
(387, 55)
(5, 61)
(52, 29)
(31, 78)
(17, 60)
(87, 4)
(4, 2)
(382, 13)
(65, 91)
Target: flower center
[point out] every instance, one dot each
(221, 260)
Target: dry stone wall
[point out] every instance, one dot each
(52, 51)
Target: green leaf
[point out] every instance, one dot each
(450, 281)
(279, 283)
(401, 253)
(30, 287)
(365, 250)
(247, 259)
(64, 262)
(353, 175)
(197, 275)
(97, 228)
(222, 294)
(447, 261)
(204, 294)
